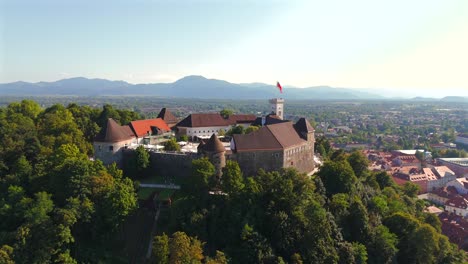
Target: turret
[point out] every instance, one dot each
(215, 152)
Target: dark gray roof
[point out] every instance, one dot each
(113, 132)
(214, 145)
(214, 119)
(167, 116)
(302, 125)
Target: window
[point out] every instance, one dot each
(99, 148)
(277, 155)
(111, 148)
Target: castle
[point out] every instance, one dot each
(276, 144)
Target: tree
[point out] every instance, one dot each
(171, 145)
(403, 225)
(382, 248)
(321, 150)
(383, 179)
(202, 171)
(251, 129)
(358, 162)
(296, 259)
(339, 206)
(360, 253)
(142, 158)
(56, 126)
(137, 163)
(424, 243)
(357, 222)
(161, 249)
(410, 189)
(225, 113)
(183, 138)
(337, 177)
(420, 155)
(6, 255)
(219, 258)
(232, 179)
(238, 129)
(221, 133)
(433, 220)
(185, 249)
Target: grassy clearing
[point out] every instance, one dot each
(156, 179)
(165, 194)
(153, 180)
(144, 193)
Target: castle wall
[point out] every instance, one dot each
(300, 157)
(167, 164)
(251, 162)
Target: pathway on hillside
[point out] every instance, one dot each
(153, 232)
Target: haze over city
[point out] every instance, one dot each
(401, 48)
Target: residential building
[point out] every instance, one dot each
(438, 177)
(455, 228)
(401, 175)
(441, 195)
(150, 131)
(461, 184)
(457, 205)
(462, 139)
(203, 125)
(457, 165)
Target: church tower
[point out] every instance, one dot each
(277, 106)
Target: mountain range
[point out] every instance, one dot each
(187, 87)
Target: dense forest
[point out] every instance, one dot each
(344, 214)
(59, 206)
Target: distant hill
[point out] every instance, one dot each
(455, 99)
(187, 87)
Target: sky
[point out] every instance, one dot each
(399, 47)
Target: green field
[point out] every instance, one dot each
(145, 192)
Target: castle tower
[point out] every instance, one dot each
(111, 141)
(277, 106)
(215, 151)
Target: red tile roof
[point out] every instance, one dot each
(459, 202)
(142, 127)
(455, 228)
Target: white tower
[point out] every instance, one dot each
(277, 106)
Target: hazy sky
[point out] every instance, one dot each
(412, 46)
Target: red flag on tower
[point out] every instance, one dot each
(279, 87)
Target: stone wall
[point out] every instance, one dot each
(171, 164)
(251, 162)
(301, 158)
